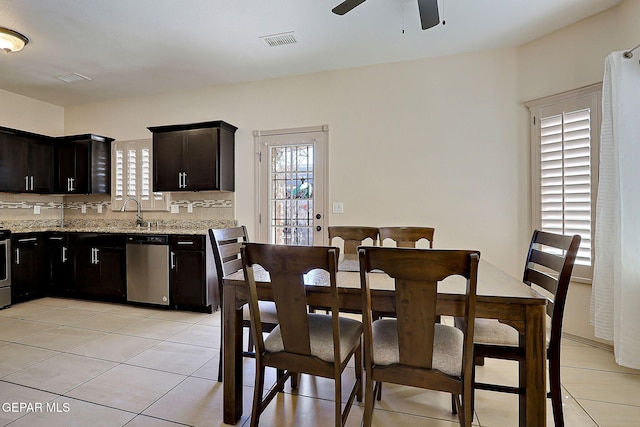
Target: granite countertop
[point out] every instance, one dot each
(113, 226)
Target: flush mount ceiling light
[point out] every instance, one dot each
(11, 41)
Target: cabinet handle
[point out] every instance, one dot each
(17, 256)
(73, 184)
(31, 182)
(64, 254)
(55, 238)
(26, 182)
(182, 180)
(184, 242)
(27, 239)
(173, 260)
(95, 256)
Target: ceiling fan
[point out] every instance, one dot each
(429, 16)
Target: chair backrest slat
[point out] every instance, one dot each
(415, 311)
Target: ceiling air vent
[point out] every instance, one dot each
(70, 78)
(280, 39)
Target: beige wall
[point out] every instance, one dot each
(440, 142)
(20, 112)
(429, 142)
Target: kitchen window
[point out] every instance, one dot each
(565, 134)
(132, 164)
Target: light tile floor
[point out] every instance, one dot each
(81, 363)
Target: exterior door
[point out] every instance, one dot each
(291, 186)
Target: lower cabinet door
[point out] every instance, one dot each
(187, 278)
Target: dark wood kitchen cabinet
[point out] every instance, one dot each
(83, 164)
(29, 274)
(60, 263)
(98, 266)
(26, 162)
(194, 157)
(192, 273)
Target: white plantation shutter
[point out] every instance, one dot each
(564, 149)
(132, 172)
(132, 163)
(565, 177)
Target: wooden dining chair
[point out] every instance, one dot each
(414, 349)
(548, 268)
(303, 342)
(352, 237)
(226, 244)
(406, 237)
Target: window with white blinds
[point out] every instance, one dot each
(564, 134)
(132, 177)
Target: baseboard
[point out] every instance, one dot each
(588, 341)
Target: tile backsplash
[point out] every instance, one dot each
(189, 206)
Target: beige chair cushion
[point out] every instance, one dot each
(491, 331)
(448, 344)
(321, 337)
(267, 312)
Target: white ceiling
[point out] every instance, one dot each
(134, 48)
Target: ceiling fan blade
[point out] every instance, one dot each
(346, 6)
(429, 16)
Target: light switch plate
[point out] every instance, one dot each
(36, 210)
(83, 209)
(338, 207)
(175, 209)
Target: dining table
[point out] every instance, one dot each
(499, 296)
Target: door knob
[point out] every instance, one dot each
(318, 228)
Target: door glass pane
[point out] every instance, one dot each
(291, 194)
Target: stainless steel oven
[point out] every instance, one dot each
(5, 268)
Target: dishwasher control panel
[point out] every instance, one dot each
(148, 239)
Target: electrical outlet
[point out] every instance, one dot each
(175, 209)
(36, 210)
(338, 207)
(99, 208)
(83, 209)
(190, 208)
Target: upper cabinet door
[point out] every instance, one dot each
(83, 164)
(41, 154)
(168, 161)
(26, 162)
(188, 157)
(201, 161)
(14, 163)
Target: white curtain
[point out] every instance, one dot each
(615, 299)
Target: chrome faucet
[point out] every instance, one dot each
(139, 221)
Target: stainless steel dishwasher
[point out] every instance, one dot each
(148, 268)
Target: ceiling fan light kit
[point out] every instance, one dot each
(429, 16)
(12, 41)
